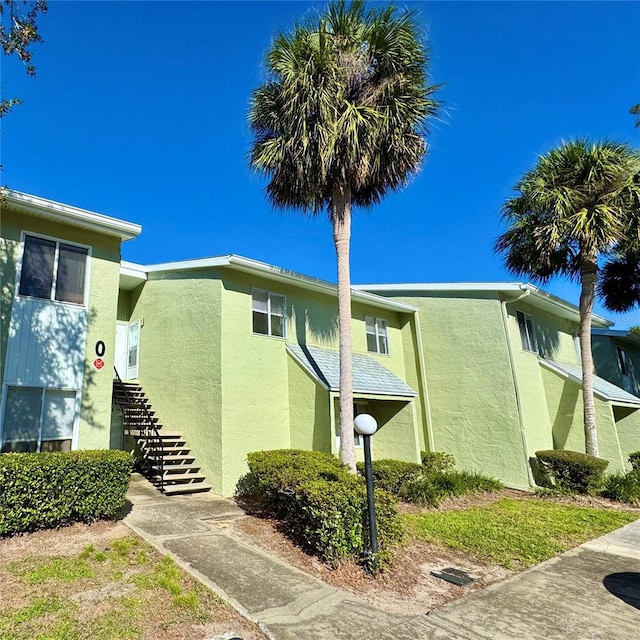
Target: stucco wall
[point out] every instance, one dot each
(564, 402)
(95, 416)
(627, 421)
(469, 383)
(607, 366)
(180, 359)
(268, 402)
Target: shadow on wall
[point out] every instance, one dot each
(567, 409)
(57, 333)
(322, 327)
(625, 586)
(548, 342)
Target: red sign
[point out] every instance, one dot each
(98, 363)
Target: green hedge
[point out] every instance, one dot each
(437, 461)
(392, 475)
(623, 487)
(572, 471)
(324, 506)
(634, 460)
(43, 490)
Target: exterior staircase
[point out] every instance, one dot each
(164, 456)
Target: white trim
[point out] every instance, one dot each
(49, 209)
(272, 272)
(269, 333)
(498, 287)
(377, 333)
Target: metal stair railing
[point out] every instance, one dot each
(146, 426)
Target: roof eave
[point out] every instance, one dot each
(58, 212)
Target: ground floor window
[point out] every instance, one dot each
(38, 419)
(359, 406)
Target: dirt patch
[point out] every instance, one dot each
(101, 580)
(407, 587)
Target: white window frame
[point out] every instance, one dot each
(359, 407)
(270, 294)
(529, 332)
(58, 241)
(380, 330)
(43, 390)
(623, 361)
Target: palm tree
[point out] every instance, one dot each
(569, 211)
(635, 111)
(619, 285)
(339, 122)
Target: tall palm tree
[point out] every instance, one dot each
(619, 285)
(339, 122)
(570, 210)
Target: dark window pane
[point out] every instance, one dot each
(382, 344)
(22, 419)
(37, 267)
(260, 323)
(524, 337)
(71, 271)
(277, 326)
(371, 343)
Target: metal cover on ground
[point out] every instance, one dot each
(455, 576)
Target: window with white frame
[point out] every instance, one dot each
(38, 419)
(268, 313)
(377, 335)
(623, 361)
(527, 332)
(53, 270)
(359, 407)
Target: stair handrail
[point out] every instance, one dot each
(151, 433)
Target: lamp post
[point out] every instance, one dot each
(366, 426)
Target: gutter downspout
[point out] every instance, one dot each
(516, 386)
(426, 406)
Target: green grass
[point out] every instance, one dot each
(516, 533)
(46, 604)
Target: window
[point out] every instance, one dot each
(268, 313)
(377, 339)
(37, 419)
(359, 406)
(623, 361)
(53, 270)
(527, 332)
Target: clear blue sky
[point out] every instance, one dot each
(139, 111)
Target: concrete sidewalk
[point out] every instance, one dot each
(592, 592)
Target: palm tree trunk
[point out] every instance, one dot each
(589, 275)
(341, 222)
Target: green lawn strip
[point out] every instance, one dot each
(53, 612)
(516, 533)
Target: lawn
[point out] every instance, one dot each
(121, 589)
(516, 533)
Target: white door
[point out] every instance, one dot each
(133, 351)
(122, 332)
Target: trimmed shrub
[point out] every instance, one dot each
(623, 487)
(572, 471)
(423, 491)
(392, 475)
(44, 490)
(323, 504)
(437, 461)
(634, 460)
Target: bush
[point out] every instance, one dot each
(623, 487)
(437, 461)
(392, 475)
(323, 504)
(44, 490)
(572, 471)
(634, 460)
(432, 489)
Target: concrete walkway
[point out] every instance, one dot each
(592, 592)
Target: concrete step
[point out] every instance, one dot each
(195, 487)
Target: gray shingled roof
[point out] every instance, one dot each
(601, 387)
(369, 376)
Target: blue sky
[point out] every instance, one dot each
(139, 111)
